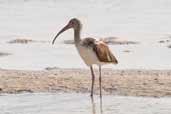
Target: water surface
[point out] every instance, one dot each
(65, 103)
(146, 21)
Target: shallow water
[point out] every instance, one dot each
(146, 21)
(66, 103)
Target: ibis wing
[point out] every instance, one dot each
(103, 53)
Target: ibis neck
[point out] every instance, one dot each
(77, 38)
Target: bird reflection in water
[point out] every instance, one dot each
(94, 106)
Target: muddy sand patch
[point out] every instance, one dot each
(115, 82)
(109, 40)
(2, 54)
(25, 41)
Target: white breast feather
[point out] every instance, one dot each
(88, 55)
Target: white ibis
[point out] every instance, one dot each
(92, 51)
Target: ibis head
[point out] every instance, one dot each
(73, 23)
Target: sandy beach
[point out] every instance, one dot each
(153, 83)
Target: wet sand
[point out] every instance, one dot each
(153, 83)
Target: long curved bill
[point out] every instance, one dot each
(61, 31)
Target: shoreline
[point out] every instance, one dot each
(150, 83)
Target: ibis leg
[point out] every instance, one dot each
(93, 78)
(100, 82)
(93, 106)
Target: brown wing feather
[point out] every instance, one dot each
(103, 53)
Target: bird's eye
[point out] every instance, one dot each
(72, 22)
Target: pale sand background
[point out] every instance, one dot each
(115, 82)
